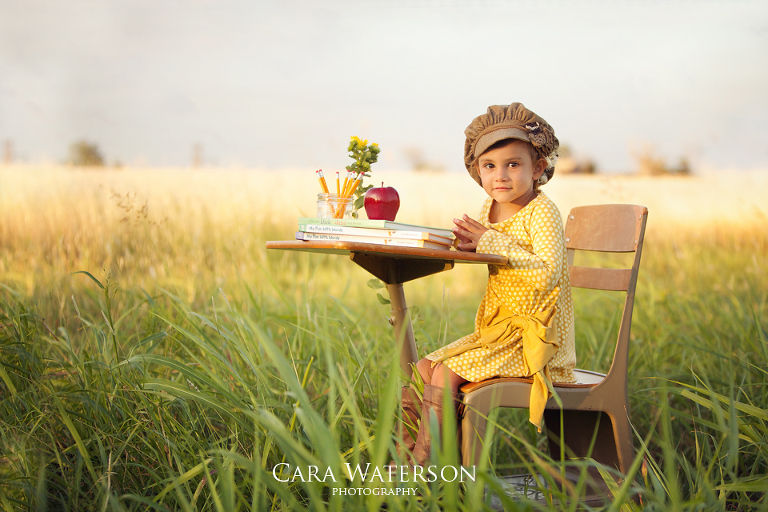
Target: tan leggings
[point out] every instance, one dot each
(439, 375)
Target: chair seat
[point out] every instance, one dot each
(584, 379)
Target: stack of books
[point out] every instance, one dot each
(381, 232)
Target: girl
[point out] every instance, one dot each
(524, 325)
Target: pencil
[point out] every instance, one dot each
(338, 189)
(346, 184)
(352, 186)
(321, 179)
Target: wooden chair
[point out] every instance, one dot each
(596, 403)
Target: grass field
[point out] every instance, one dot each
(154, 356)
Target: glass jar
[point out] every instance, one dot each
(330, 206)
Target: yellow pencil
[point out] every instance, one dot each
(338, 189)
(355, 184)
(345, 187)
(321, 179)
(346, 184)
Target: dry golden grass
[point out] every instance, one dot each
(31, 193)
(169, 226)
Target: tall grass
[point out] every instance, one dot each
(184, 363)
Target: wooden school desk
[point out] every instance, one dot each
(394, 266)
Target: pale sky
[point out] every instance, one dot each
(284, 84)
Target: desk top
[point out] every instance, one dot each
(389, 251)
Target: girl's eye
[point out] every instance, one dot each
(513, 164)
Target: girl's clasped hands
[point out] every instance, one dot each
(468, 231)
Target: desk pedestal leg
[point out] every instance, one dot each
(401, 321)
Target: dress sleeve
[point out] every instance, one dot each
(542, 266)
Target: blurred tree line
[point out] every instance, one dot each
(85, 154)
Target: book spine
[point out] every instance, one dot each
(361, 223)
(375, 224)
(400, 242)
(373, 232)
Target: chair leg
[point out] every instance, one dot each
(622, 433)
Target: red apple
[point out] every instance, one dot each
(382, 203)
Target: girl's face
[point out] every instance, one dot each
(508, 173)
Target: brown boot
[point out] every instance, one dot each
(432, 401)
(409, 426)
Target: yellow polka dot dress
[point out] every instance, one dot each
(534, 280)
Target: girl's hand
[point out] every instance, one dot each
(468, 231)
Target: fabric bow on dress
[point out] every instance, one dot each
(540, 343)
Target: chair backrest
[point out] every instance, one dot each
(613, 228)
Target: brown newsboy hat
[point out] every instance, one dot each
(513, 121)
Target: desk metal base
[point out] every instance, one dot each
(394, 273)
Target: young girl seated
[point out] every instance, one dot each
(524, 325)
